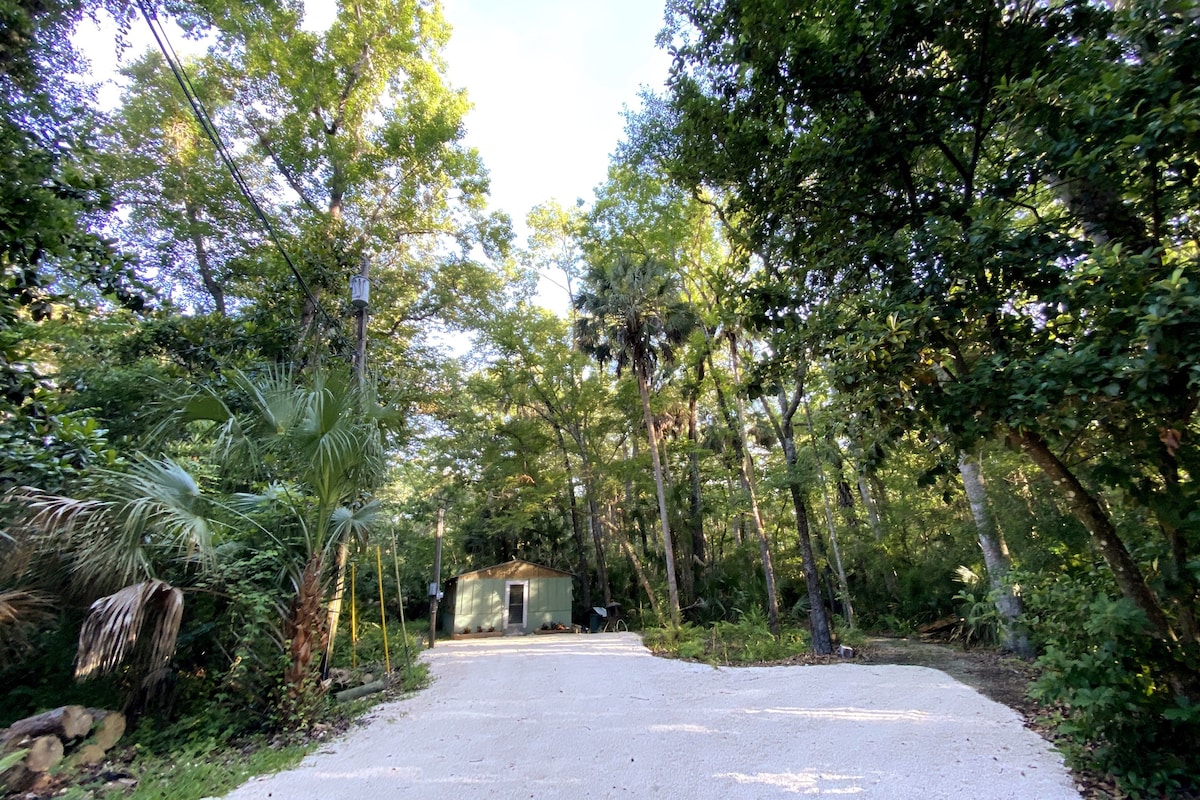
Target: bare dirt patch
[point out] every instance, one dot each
(1003, 678)
(996, 675)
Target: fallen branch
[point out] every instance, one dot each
(362, 691)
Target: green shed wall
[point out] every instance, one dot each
(479, 602)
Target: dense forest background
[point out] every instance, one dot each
(886, 314)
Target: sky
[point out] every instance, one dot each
(548, 80)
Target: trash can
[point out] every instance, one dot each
(594, 621)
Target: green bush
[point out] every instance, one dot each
(369, 649)
(1113, 688)
(747, 641)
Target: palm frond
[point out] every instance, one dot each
(274, 396)
(22, 613)
(231, 440)
(114, 626)
(206, 406)
(332, 440)
(83, 530)
(112, 537)
(278, 500)
(356, 524)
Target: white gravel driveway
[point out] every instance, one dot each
(598, 716)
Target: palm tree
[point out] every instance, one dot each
(315, 448)
(127, 529)
(631, 313)
(319, 448)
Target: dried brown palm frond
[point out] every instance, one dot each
(16, 556)
(18, 605)
(113, 629)
(22, 613)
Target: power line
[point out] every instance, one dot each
(210, 130)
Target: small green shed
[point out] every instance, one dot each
(514, 597)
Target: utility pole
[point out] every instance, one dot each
(435, 587)
(360, 298)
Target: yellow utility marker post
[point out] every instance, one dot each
(353, 621)
(387, 658)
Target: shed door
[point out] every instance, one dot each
(516, 603)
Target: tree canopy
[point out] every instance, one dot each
(882, 321)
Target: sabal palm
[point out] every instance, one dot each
(320, 448)
(317, 447)
(631, 313)
(127, 529)
(322, 439)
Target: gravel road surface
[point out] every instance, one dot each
(599, 717)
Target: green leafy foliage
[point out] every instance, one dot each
(979, 219)
(747, 641)
(204, 768)
(1113, 691)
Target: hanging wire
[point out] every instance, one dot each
(210, 130)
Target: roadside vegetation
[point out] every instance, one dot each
(884, 319)
(748, 641)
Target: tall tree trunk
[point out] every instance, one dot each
(843, 584)
(638, 569)
(633, 506)
(871, 504)
(576, 529)
(735, 521)
(699, 554)
(660, 485)
(211, 284)
(735, 418)
(303, 632)
(687, 584)
(594, 523)
(1087, 510)
(995, 558)
(589, 491)
(845, 495)
(818, 619)
(764, 545)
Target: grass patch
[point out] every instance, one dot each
(196, 773)
(192, 758)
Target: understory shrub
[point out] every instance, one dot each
(369, 648)
(747, 641)
(1114, 690)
